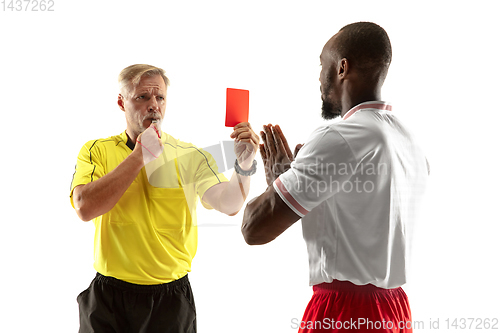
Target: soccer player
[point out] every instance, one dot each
(356, 184)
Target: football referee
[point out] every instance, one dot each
(145, 220)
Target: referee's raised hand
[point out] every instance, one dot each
(149, 143)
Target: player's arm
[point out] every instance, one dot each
(268, 216)
(100, 196)
(229, 197)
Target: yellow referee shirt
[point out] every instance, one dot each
(150, 236)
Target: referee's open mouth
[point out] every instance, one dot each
(148, 121)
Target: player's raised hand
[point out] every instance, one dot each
(275, 152)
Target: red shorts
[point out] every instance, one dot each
(342, 306)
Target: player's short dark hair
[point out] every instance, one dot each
(365, 45)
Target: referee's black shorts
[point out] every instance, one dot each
(115, 306)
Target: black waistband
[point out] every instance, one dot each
(142, 288)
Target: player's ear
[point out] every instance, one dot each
(121, 102)
(343, 68)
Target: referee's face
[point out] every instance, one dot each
(143, 104)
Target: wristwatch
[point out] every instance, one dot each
(250, 172)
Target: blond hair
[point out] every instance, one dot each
(130, 76)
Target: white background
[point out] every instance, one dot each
(58, 90)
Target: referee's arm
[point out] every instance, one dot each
(99, 197)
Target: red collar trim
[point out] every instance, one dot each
(368, 105)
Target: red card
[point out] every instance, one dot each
(236, 106)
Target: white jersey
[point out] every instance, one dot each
(357, 185)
